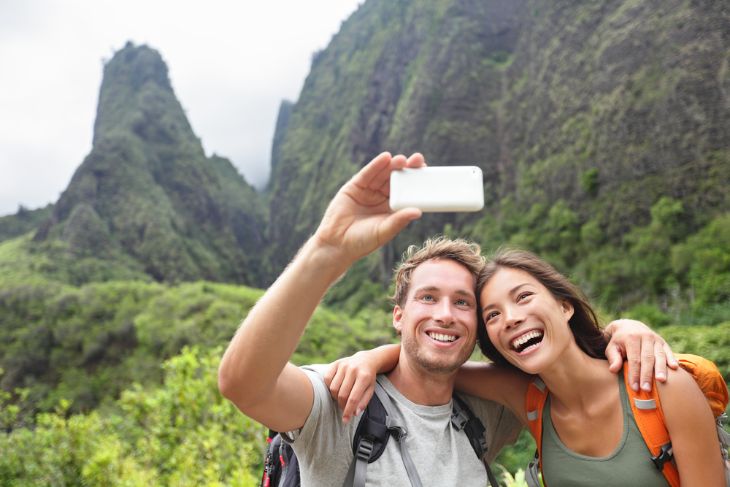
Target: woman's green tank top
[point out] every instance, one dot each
(629, 464)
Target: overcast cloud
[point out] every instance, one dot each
(230, 62)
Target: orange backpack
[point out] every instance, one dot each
(647, 411)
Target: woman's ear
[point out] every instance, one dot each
(397, 318)
(567, 308)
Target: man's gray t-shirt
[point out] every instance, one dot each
(442, 455)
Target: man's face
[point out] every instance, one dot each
(438, 321)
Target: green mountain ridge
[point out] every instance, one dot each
(607, 107)
(147, 198)
(598, 126)
(602, 129)
(23, 221)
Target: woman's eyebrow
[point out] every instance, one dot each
(511, 292)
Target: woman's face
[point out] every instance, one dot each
(524, 321)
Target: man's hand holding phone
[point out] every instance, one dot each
(359, 220)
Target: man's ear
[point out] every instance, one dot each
(567, 308)
(397, 318)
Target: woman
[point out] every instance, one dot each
(536, 321)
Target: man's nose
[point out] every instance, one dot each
(444, 311)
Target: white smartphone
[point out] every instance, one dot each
(437, 188)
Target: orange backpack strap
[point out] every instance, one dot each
(713, 386)
(534, 405)
(709, 378)
(647, 411)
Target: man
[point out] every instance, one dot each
(437, 322)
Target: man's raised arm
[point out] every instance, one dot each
(254, 372)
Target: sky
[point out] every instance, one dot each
(231, 63)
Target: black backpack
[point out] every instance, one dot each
(281, 467)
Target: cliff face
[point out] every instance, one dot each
(399, 76)
(592, 110)
(590, 120)
(612, 105)
(148, 195)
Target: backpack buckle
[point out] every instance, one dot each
(365, 449)
(665, 454)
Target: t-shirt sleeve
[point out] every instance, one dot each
(502, 426)
(323, 431)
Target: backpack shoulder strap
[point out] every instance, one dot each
(371, 436)
(372, 430)
(462, 418)
(534, 404)
(281, 466)
(713, 386)
(647, 410)
(709, 378)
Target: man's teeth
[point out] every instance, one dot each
(521, 340)
(440, 337)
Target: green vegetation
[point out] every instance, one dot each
(660, 271)
(88, 404)
(181, 433)
(23, 221)
(602, 133)
(86, 344)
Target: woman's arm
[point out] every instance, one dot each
(691, 427)
(505, 385)
(351, 380)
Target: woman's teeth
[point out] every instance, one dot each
(522, 342)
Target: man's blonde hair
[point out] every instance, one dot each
(464, 252)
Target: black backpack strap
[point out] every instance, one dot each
(399, 433)
(369, 442)
(462, 418)
(271, 466)
(281, 466)
(371, 436)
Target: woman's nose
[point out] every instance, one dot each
(513, 316)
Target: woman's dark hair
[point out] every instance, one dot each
(584, 323)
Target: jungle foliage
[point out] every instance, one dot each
(602, 129)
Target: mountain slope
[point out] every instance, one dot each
(602, 129)
(23, 221)
(587, 118)
(399, 76)
(147, 194)
(611, 106)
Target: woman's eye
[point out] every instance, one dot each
(523, 296)
(489, 316)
